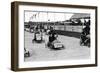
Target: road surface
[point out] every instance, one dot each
(39, 52)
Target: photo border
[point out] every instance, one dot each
(15, 34)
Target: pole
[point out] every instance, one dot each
(65, 20)
(47, 20)
(54, 21)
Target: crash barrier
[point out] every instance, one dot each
(68, 33)
(72, 28)
(65, 27)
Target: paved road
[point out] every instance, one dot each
(39, 52)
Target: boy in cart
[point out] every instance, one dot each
(53, 42)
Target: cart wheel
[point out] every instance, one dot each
(33, 41)
(28, 54)
(46, 45)
(51, 47)
(81, 42)
(63, 47)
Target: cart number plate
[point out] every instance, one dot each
(57, 45)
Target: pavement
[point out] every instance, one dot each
(39, 52)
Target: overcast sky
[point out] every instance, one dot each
(44, 16)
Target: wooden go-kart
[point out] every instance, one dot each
(26, 53)
(56, 45)
(38, 38)
(85, 40)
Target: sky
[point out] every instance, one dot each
(46, 16)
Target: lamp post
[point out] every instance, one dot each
(64, 22)
(47, 20)
(54, 21)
